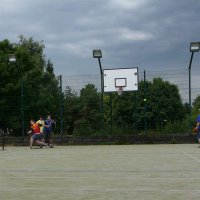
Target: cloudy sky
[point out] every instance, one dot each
(150, 34)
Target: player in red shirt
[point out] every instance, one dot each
(36, 134)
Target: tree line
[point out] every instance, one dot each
(155, 107)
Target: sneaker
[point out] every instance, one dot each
(51, 146)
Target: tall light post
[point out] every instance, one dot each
(12, 60)
(97, 54)
(194, 47)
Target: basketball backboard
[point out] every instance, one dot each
(122, 78)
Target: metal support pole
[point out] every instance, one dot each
(145, 120)
(12, 59)
(3, 142)
(190, 98)
(111, 118)
(102, 108)
(22, 105)
(61, 106)
(3, 139)
(135, 111)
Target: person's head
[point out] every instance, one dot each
(41, 118)
(32, 122)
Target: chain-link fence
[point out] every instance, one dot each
(159, 106)
(136, 112)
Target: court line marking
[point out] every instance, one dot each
(101, 189)
(108, 178)
(191, 156)
(94, 171)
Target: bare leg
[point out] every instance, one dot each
(31, 142)
(51, 143)
(41, 143)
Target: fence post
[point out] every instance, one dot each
(22, 105)
(145, 106)
(61, 106)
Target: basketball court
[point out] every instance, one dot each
(101, 172)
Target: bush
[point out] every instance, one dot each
(82, 128)
(177, 127)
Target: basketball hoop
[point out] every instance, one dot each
(119, 90)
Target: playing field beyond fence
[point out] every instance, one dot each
(101, 172)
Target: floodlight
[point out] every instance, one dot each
(12, 58)
(194, 46)
(97, 53)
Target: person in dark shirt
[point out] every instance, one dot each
(48, 131)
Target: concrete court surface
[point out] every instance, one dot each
(101, 172)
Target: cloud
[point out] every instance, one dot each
(127, 4)
(146, 33)
(130, 35)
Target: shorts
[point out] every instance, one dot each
(198, 134)
(37, 137)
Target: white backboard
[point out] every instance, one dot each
(124, 77)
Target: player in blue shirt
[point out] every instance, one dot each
(198, 129)
(48, 131)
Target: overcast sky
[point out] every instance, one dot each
(149, 34)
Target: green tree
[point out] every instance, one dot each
(89, 121)
(41, 93)
(71, 109)
(196, 103)
(157, 101)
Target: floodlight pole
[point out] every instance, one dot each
(101, 72)
(21, 91)
(194, 47)
(97, 54)
(190, 99)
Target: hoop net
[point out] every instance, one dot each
(119, 90)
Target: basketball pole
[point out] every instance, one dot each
(135, 111)
(111, 119)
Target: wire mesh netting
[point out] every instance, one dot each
(159, 106)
